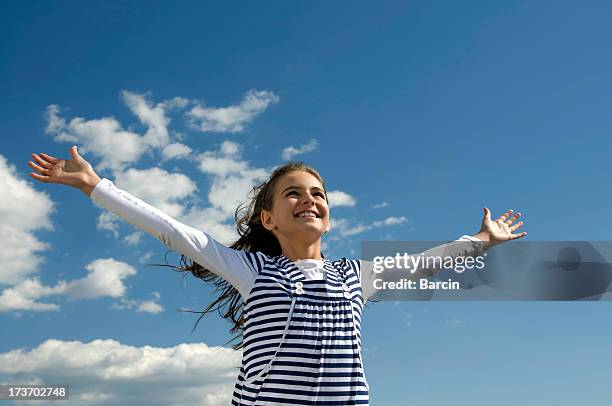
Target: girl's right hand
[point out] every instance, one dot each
(76, 172)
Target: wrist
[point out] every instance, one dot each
(484, 237)
(89, 183)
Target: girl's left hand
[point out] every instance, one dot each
(500, 230)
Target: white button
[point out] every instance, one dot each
(347, 295)
(299, 291)
(345, 287)
(299, 285)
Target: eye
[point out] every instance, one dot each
(320, 194)
(293, 192)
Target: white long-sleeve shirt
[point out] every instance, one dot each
(232, 265)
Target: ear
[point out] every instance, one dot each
(266, 220)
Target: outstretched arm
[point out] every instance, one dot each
(491, 233)
(236, 267)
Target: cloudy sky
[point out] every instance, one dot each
(416, 114)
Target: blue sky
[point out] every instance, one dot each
(435, 109)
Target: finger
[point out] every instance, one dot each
(37, 168)
(504, 216)
(513, 218)
(49, 158)
(40, 177)
(487, 213)
(73, 152)
(516, 226)
(515, 236)
(41, 161)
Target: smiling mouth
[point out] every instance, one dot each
(307, 214)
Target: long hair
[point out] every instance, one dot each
(254, 237)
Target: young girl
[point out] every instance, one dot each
(301, 317)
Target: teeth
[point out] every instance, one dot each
(306, 214)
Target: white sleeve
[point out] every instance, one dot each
(449, 249)
(239, 268)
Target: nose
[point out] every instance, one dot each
(309, 199)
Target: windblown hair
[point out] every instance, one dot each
(254, 237)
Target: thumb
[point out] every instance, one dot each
(487, 214)
(73, 152)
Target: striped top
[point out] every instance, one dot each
(302, 337)
(302, 326)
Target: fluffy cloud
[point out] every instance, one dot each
(108, 221)
(24, 295)
(133, 239)
(338, 198)
(390, 221)
(106, 372)
(290, 152)
(232, 119)
(141, 306)
(346, 228)
(19, 222)
(175, 151)
(158, 187)
(105, 278)
(232, 177)
(152, 116)
(215, 222)
(104, 138)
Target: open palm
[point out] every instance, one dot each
(500, 230)
(74, 172)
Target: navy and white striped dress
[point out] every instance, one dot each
(302, 338)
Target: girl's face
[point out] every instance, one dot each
(299, 209)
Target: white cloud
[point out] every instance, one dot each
(141, 306)
(224, 162)
(150, 306)
(380, 205)
(232, 119)
(24, 295)
(232, 177)
(152, 116)
(176, 103)
(213, 221)
(158, 188)
(133, 239)
(104, 138)
(106, 372)
(18, 223)
(105, 278)
(347, 228)
(390, 221)
(291, 151)
(146, 257)
(175, 151)
(118, 148)
(108, 221)
(338, 198)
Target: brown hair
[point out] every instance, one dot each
(254, 237)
